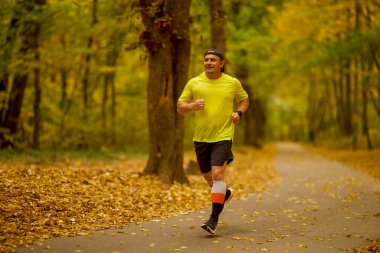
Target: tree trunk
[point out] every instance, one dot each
(374, 53)
(347, 113)
(64, 85)
(37, 97)
(6, 55)
(109, 80)
(357, 76)
(36, 109)
(312, 110)
(29, 45)
(355, 132)
(365, 120)
(340, 97)
(255, 117)
(113, 111)
(64, 77)
(5, 133)
(343, 95)
(254, 132)
(375, 102)
(86, 78)
(217, 14)
(167, 39)
(256, 121)
(366, 68)
(69, 101)
(115, 46)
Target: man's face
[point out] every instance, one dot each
(212, 64)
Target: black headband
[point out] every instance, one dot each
(215, 52)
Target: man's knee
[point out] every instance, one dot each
(207, 176)
(218, 173)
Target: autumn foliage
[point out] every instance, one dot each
(74, 197)
(74, 75)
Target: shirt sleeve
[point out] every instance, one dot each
(241, 94)
(187, 95)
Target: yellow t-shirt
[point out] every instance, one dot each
(214, 122)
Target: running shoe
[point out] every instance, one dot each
(210, 225)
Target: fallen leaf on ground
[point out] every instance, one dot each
(43, 200)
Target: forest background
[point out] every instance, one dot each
(99, 75)
(103, 77)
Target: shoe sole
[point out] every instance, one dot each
(208, 229)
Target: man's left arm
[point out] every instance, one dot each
(241, 109)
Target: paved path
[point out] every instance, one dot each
(318, 206)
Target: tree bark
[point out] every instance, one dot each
(168, 43)
(29, 46)
(217, 15)
(340, 97)
(357, 76)
(37, 96)
(366, 68)
(86, 78)
(347, 112)
(254, 119)
(375, 102)
(313, 109)
(109, 87)
(343, 96)
(6, 53)
(365, 119)
(63, 76)
(355, 131)
(5, 133)
(69, 101)
(115, 46)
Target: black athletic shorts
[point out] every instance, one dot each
(213, 154)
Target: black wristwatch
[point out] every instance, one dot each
(240, 113)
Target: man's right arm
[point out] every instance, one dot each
(183, 107)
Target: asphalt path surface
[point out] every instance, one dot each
(317, 206)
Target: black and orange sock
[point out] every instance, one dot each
(218, 193)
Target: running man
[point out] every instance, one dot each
(214, 95)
